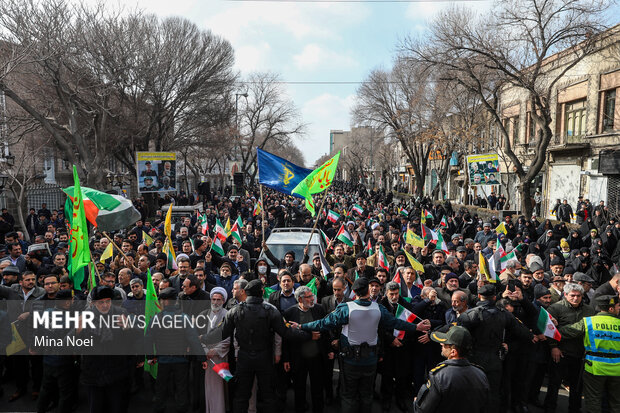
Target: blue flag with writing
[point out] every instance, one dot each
(278, 173)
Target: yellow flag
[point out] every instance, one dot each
(413, 239)
(107, 253)
(415, 264)
(227, 227)
(482, 268)
(501, 228)
(17, 344)
(147, 240)
(168, 223)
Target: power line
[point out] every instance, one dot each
(351, 1)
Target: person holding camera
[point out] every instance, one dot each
(488, 326)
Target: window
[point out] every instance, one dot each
(531, 130)
(575, 118)
(515, 130)
(609, 110)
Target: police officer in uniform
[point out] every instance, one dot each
(601, 339)
(253, 323)
(488, 326)
(360, 320)
(456, 384)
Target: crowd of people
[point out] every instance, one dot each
(363, 307)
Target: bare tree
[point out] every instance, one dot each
(288, 151)
(267, 116)
(511, 48)
(401, 103)
(104, 83)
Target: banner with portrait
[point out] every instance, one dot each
(157, 171)
(483, 169)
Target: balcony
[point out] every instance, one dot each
(567, 142)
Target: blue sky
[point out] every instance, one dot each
(312, 42)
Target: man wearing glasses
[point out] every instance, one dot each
(307, 358)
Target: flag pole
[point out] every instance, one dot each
(318, 216)
(262, 211)
(113, 244)
(95, 268)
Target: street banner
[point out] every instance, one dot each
(483, 169)
(157, 171)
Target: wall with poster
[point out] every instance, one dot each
(157, 171)
(483, 169)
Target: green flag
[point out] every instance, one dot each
(317, 181)
(312, 286)
(267, 292)
(79, 251)
(151, 307)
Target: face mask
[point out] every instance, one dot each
(262, 269)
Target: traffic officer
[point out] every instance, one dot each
(488, 326)
(360, 320)
(253, 323)
(455, 384)
(601, 339)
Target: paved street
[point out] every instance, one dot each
(140, 403)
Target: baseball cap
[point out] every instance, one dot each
(606, 300)
(457, 336)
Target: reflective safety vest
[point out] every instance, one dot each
(602, 343)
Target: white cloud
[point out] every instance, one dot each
(247, 20)
(253, 57)
(322, 113)
(314, 56)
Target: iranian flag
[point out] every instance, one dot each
(333, 216)
(382, 260)
(403, 314)
(344, 236)
(239, 221)
(223, 370)
(357, 208)
(220, 232)
(545, 325)
(235, 232)
(216, 246)
(107, 212)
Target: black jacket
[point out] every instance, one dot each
(454, 385)
(291, 351)
(253, 323)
